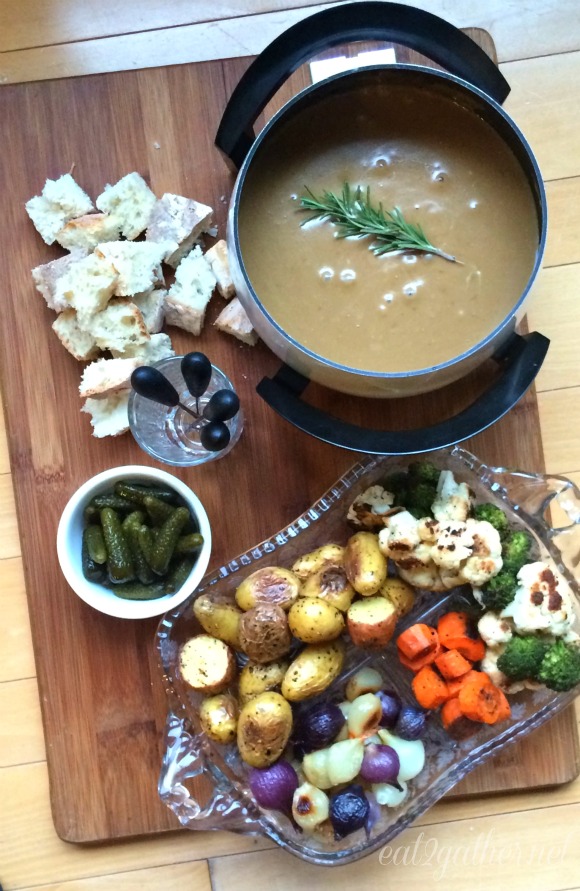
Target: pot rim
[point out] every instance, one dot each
(432, 73)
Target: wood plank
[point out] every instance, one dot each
(19, 708)
(563, 244)
(57, 56)
(561, 437)
(24, 791)
(26, 815)
(118, 732)
(558, 286)
(15, 638)
(546, 121)
(4, 459)
(175, 877)
(9, 541)
(35, 24)
(544, 857)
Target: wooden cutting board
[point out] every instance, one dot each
(102, 703)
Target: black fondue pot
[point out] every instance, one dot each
(470, 79)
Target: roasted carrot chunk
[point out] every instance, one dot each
(452, 664)
(427, 659)
(454, 685)
(429, 688)
(455, 633)
(480, 700)
(455, 722)
(417, 641)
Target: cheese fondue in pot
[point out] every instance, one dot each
(447, 170)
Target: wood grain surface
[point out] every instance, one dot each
(102, 706)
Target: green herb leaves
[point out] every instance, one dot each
(354, 215)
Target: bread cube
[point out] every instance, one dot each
(188, 297)
(217, 257)
(130, 201)
(109, 415)
(88, 231)
(79, 343)
(46, 276)
(179, 219)
(60, 200)
(234, 320)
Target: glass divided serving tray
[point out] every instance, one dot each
(221, 798)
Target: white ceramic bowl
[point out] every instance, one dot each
(69, 543)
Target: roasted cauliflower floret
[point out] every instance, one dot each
(494, 630)
(439, 556)
(453, 500)
(486, 559)
(542, 602)
(372, 508)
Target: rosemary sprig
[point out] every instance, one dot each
(354, 215)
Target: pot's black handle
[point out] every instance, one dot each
(419, 30)
(521, 358)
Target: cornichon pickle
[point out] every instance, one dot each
(95, 541)
(136, 492)
(92, 571)
(146, 540)
(188, 544)
(178, 574)
(169, 534)
(120, 561)
(121, 505)
(158, 510)
(131, 527)
(139, 591)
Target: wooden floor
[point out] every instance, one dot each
(524, 841)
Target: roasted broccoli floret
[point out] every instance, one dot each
(499, 591)
(424, 472)
(515, 551)
(560, 668)
(494, 515)
(419, 499)
(397, 483)
(415, 490)
(522, 657)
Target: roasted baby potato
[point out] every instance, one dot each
(313, 670)
(264, 727)
(264, 633)
(220, 618)
(314, 621)
(330, 554)
(365, 564)
(206, 664)
(219, 717)
(371, 622)
(270, 584)
(400, 593)
(330, 584)
(255, 679)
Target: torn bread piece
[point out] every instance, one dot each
(106, 376)
(46, 276)
(136, 262)
(109, 415)
(188, 297)
(60, 200)
(179, 219)
(87, 286)
(79, 343)
(234, 320)
(130, 201)
(217, 257)
(119, 325)
(88, 231)
(152, 306)
(155, 349)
